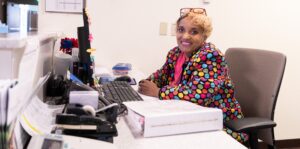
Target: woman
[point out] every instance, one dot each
(195, 70)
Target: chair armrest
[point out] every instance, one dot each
(249, 124)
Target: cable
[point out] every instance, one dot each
(107, 107)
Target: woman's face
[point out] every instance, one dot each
(189, 36)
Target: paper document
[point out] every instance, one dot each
(4, 99)
(14, 99)
(21, 96)
(4, 86)
(17, 99)
(39, 118)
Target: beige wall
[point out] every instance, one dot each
(128, 31)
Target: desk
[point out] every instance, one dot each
(127, 140)
(213, 139)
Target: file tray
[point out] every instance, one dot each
(170, 117)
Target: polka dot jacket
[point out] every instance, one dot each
(204, 81)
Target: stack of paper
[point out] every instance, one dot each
(5, 86)
(14, 99)
(168, 117)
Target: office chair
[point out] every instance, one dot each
(256, 75)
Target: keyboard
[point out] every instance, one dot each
(120, 91)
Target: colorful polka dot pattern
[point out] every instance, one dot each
(204, 81)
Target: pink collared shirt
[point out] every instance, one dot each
(178, 69)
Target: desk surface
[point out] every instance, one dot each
(213, 139)
(127, 140)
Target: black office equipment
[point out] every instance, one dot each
(56, 86)
(123, 78)
(120, 91)
(84, 70)
(77, 122)
(76, 109)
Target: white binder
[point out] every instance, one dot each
(169, 117)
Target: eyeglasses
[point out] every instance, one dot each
(184, 11)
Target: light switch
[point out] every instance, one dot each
(163, 27)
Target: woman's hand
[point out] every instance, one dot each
(148, 88)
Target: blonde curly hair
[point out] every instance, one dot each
(201, 20)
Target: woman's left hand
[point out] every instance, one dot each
(148, 88)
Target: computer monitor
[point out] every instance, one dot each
(85, 65)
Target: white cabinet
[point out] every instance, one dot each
(27, 56)
(11, 51)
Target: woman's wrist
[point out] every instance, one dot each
(158, 93)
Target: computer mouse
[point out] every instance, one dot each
(123, 78)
